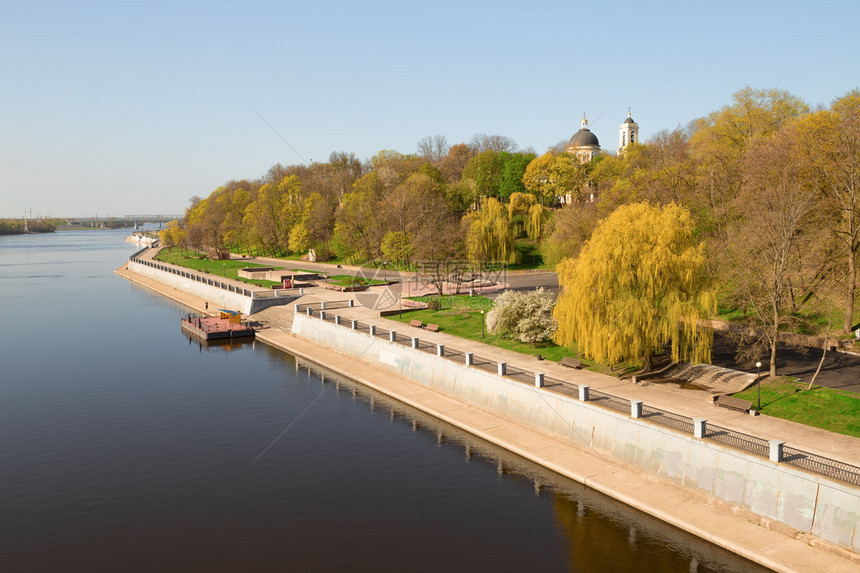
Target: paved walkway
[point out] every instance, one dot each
(840, 370)
(691, 403)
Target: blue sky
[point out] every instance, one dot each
(118, 107)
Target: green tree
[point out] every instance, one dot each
(300, 238)
(485, 169)
(318, 219)
(459, 196)
(832, 139)
(358, 222)
(397, 247)
(721, 140)
(272, 215)
(233, 205)
(554, 176)
(513, 167)
(172, 235)
(639, 283)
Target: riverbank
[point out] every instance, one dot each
(781, 549)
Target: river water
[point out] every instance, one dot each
(126, 446)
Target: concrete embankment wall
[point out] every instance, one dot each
(217, 296)
(802, 501)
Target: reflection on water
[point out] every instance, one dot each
(603, 535)
(219, 345)
(125, 446)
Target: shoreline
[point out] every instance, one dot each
(780, 548)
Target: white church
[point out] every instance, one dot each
(585, 145)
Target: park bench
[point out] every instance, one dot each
(571, 362)
(416, 324)
(733, 403)
(432, 327)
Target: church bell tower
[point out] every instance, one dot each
(628, 133)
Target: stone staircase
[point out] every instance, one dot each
(717, 379)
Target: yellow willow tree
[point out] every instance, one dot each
(534, 223)
(489, 236)
(638, 283)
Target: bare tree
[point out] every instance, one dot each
(276, 173)
(498, 143)
(769, 246)
(433, 147)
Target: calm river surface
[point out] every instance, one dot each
(125, 446)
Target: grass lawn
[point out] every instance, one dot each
(349, 280)
(227, 269)
(460, 315)
(529, 257)
(820, 407)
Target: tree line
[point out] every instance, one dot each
(17, 226)
(770, 186)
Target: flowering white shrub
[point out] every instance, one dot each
(526, 317)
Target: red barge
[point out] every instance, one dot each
(228, 324)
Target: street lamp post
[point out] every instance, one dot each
(758, 385)
(482, 324)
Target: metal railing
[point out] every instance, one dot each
(738, 440)
(821, 465)
(323, 305)
(667, 419)
(609, 401)
(184, 273)
(801, 459)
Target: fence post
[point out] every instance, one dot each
(440, 350)
(392, 336)
(699, 427)
(502, 368)
(296, 307)
(310, 311)
(322, 305)
(776, 451)
(351, 302)
(583, 393)
(322, 315)
(301, 292)
(636, 408)
(414, 342)
(354, 324)
(470, 359)
(337, 319)
(538, 379)
(372, 329)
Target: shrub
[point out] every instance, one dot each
(526, 317)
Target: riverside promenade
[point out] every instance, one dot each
(779, 548)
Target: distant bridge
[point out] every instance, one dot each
(124, 221)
